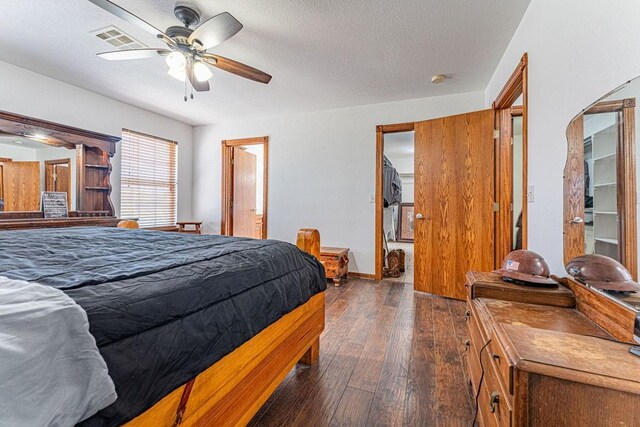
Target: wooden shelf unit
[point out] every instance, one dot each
(94, 173)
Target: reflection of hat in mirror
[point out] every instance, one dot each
(526, 267)
(602, 272)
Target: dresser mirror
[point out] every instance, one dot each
(600, 199)
(29, 166)
(37, 155)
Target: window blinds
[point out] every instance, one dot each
(148, 179)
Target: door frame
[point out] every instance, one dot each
(226, 224)
(381, 130)
(516, 86)
(49, 167)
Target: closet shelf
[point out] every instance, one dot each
(606, 184)
(610, 241)
(604, 157)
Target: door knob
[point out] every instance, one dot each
(419, 216)
(576, 220)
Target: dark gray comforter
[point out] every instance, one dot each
(163, 307)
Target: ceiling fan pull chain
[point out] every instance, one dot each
(185, 90)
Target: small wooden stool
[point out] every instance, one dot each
(336, 262)
(184, 227)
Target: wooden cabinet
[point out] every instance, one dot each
(545, 364)
(336, 263)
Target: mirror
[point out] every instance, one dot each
(600, 199)
(28, 167)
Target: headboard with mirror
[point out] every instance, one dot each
(600, 176)
(38, 156)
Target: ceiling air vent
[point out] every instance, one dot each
(118, 38)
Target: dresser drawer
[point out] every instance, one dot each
(475, 335)
(473, 364)
(496, 407)
(502, 364)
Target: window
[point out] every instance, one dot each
(148, 179)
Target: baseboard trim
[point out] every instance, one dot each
(365, 276)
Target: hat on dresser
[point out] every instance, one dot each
(602, 272)
(527, 268)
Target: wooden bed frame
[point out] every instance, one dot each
(231, 391)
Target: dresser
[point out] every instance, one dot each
(534, 360)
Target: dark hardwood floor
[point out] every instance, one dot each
(389, 356)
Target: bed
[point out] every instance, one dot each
(195, 330)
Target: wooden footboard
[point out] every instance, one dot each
(230, 392)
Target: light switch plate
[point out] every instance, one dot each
(530, 194)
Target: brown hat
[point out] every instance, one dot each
(526, 267)
(602, 272)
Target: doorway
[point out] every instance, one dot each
(398, 214)
(57, 177)
(454, 200)
(244, 187)
(512, 195)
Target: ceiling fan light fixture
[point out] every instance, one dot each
(201, 71)
(178, 73)
(176, 60)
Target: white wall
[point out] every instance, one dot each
(35, 95)
(321, 169)
(578, 51)
(17, 152)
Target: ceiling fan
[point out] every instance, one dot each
(187, 55)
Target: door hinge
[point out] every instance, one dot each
(511, 140)
(511, 207)
(231, 204)
(496, 134)
(496, 207)
(231, 161)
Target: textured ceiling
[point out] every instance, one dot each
(322, 53)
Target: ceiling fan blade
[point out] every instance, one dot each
(129, 17)
(123, 55)
(215, 30)
(197, 85)
(237, 68)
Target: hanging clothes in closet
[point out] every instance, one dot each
(392, 188)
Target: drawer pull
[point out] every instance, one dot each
(467, 344)
(495, 399)
(467, 315)
(495, 356)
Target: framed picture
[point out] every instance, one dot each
(405, 222)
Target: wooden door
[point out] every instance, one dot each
(244, 193)
(454, 194)
(573, 224)
(21, 186)
(57, 177)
